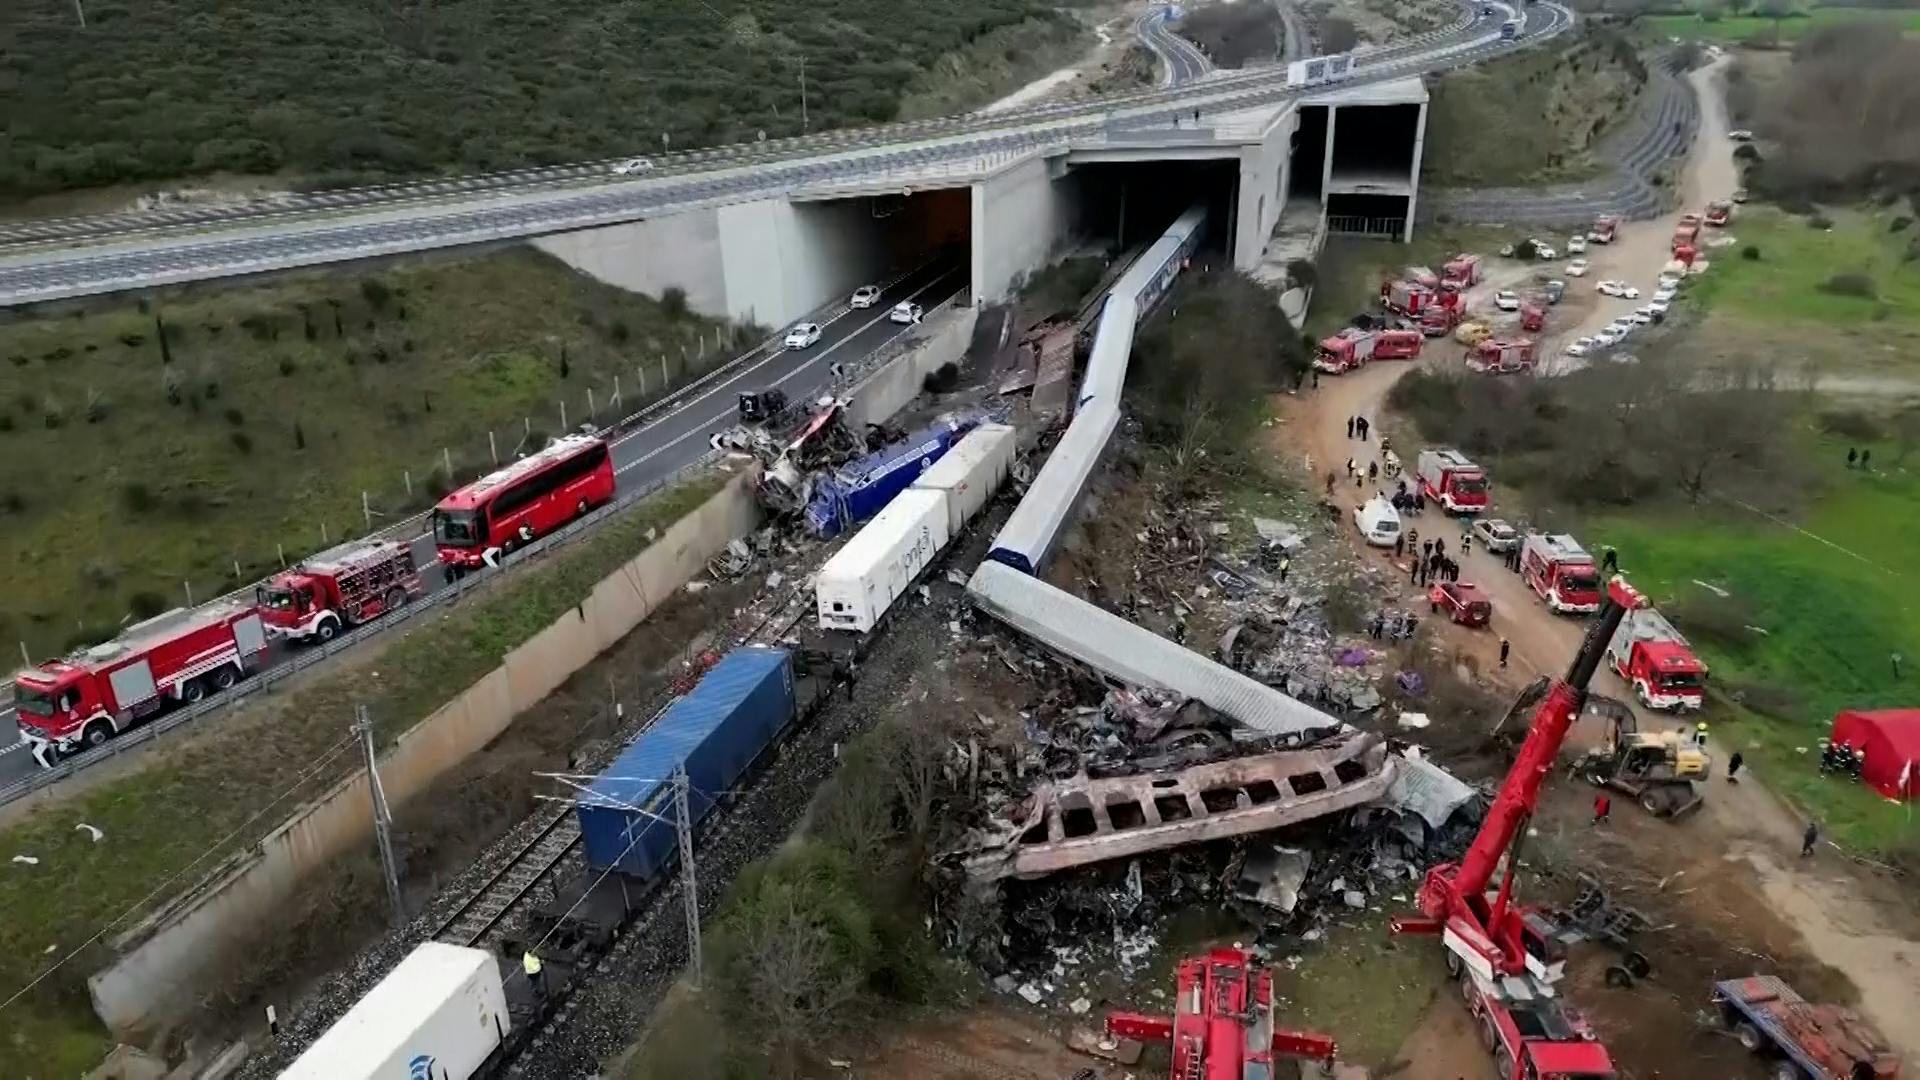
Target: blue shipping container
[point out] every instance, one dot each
(865, 487)
(742, 705)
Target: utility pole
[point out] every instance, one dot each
(803, 94)
(683, 823)
(80, 12)
(382, 816)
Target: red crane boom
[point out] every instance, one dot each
(1222, 1021)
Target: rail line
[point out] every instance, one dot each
(507, 890)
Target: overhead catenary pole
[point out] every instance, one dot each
(382, 815)
(683, 823)
(803, 95)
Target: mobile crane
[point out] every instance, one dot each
(1222, 1024)
(1506, 955)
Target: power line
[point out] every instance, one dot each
(331, 753)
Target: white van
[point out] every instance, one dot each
(1377, 521)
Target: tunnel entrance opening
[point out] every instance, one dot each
(1126, 206)
(1382, 216)
(1307, 168)
(915, 245)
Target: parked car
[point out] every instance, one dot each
(1554, 290)
(1605, 338)
(1577, 268)
(1620, 289)
(633, 167)
(1740, 135)
(1576, 244)
(1544, 251)
(1377, 521)
(865, 296)
(1463, 602)
(906, 313)
(803, 336)
(1657, 308)
(1580, 346)
(1639, 317)
(1507, 300)
(1622, 327)
(1496, 534)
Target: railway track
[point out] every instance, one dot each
(476, 921)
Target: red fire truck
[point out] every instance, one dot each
(1411, 299)
(511, 506)
(1719, 212)
(1687, 233)
(1653, 658)
(1604, 229)
(1533, 318)
(340, 588)
(1461, 271)
(1223, 1021)
(177, 657)
(1350, 349)
(1449, 478)
(1494, 357)
(1561, 571)
(1438, 320)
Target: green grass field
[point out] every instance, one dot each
(163, 816)
(123, 476)
(1749, 27)
(1829, 621)
(1787, 282)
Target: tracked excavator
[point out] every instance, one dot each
(1507, 956)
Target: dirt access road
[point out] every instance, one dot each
(1849, 921)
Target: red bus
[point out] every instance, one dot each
(529, 498)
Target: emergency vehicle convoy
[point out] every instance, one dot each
(529, 498)
(178, 657)
(1451, 479)
(1352, 348)
(1555, 566)
(1652, 657)
(339, 589)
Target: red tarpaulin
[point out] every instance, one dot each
(1891, 740)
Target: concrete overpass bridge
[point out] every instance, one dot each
(769, 231)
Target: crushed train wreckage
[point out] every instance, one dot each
(1086, 820)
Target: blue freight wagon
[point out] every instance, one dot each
(864, 488)
(739, 709)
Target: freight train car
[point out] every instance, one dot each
(441, 1014)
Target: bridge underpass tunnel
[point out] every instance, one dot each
(919, 238)
(1126, 206)
(1373, 170)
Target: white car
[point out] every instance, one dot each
(1740, 135)
(1669, 282)
(1639, 317)
(905, 313)
(1657, 308)
(1577, 268)
(1576, 245)
(1507, 300)
(633, 166)
(1377, 521)
(1663, 296)
(1620, 289)
(1605, 338)
(1622, 327)
(803, 335)
(1544, 251)
(865, 296)
(1580, 346)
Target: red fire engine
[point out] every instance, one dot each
(1533, 318)
(1222, 1024)
(1719, 212)
(1501, 357)
(1461, 272)
(1411, 299)
(340, 588)
(1654, 658)
(531, 497)
(1350, 349)
(1561, 571)
(1451, 479)
(1421, 276)
(1506, 955)
(180, 656)
(1438, 320)
(1687, 233)
(1605, 227)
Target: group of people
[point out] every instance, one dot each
(1395, 625)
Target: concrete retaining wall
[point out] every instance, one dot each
(651, 256)
(888, 390)
(169, 962)
(166, 963)
(1020, 215)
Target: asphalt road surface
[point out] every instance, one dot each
(676, 439)
(1181, 61)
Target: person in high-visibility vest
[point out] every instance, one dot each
(534, 978)
(1700, 734)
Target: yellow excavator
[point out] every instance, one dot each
(1662, 770)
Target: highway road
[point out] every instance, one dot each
(310, 237)
(673, 440)
(1181, 61)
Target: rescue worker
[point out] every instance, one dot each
(1505, 647)
(1286, 564)
(1399, 545)
(1352, 419)
(1700, 735)
(1609, 560)
(1330, 479)
(535, 978)
(1808, 839)
(1360, 425)
(1373, 471)
(1602, 806)
(1733, 767)
(1853, 456)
